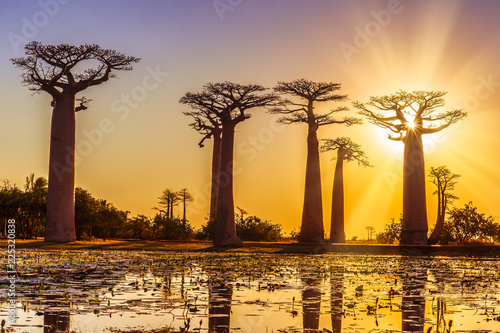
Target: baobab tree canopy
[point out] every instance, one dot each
(416, 111)
(228, 101)
(50, 68)
(225, 104)
(309, 91)
(411, 116)
(351, 151)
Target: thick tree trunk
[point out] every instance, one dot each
(225, 226)
(311, 230)
(414, 231)
(215, 174)
(337, 232)
(60, 226)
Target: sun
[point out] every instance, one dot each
(409, 114)
(411, 123)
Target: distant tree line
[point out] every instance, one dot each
(98, 218)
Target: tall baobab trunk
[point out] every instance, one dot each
(337, 232)
(311, 230)
(60, 226)
(225, 226)
(415, 228)
(215, 174)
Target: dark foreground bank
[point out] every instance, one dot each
(262, 247)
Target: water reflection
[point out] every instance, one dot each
(336, 297)
(56, 322)
(219, 309)
(311, 301)
(380, 293)
(413, 300)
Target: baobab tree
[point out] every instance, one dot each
(229, 103)
(50, 68)
(445, 182)
(347, 151)
(209, 125)
(310, 93)
(412, 115)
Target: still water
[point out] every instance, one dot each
(99, 291)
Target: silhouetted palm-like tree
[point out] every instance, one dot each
(445, 182)
(186, 198)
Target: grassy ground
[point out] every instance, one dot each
(258, 247)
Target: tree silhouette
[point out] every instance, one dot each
(348, 151)
(209, 125)
(34, 202)
(445, 182)
(467, 224)
(168, 200)
(50, 68)
(303, 111)
(185, 197)
(242, 213)
(228, 102)
(412, 115)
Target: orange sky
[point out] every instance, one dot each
(371, 47)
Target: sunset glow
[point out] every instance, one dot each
(148, 145)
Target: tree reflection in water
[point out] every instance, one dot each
(219, 310)
(413, 300)
(56, 322)
(336, 297)
(311, 303)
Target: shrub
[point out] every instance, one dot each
(255, 229)
(392, 232)
(466, 225)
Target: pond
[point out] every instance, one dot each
(99, 291)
